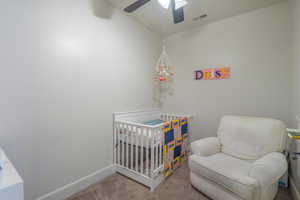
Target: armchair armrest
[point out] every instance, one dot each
(206, 146)
(269, 168)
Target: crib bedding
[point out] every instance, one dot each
(153, 122)
(175, 148)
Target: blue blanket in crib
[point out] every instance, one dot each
(153, 122)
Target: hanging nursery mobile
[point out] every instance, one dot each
(164, 71)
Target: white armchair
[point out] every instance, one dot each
(243, 162)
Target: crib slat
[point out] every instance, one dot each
(159, 155)
(152, 153)
(157, 148)
(154, 147)
(131, 145)
(115, 144)
(127, 145)
(136, 148)
(123, 144)
(119, 143)
(142, 150)
(147, 152)
(161, 147)
(190, 136)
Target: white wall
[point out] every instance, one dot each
(295, 10)
(295, 5)
(257, 48)
(66, 66)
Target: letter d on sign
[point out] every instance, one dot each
(198, 75)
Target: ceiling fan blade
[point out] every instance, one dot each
(133, 7)
(178, 14)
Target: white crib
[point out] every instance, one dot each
(138, 152)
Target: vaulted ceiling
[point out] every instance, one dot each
(160, 20)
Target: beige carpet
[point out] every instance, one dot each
(177, 187)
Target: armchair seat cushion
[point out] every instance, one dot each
(226, 171)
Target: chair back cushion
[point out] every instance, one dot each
(251, 137)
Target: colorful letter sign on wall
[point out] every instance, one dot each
(212, 74)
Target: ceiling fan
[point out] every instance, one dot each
(177, 8)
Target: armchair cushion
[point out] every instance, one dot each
(251, 137)
(226, 171)
(206, 146)
(268, 169)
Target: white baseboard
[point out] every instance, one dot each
(72, 188)
(294, 190)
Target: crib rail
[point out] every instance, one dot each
(169, 117)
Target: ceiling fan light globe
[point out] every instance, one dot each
(164, 3)
(180, 4)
